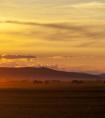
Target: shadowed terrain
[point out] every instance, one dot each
(51, 97)
(47, 103)
(42, 73)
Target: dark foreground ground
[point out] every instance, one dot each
(79, 102)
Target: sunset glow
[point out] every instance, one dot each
(74, 28)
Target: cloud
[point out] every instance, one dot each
(93, 4)
(83, 5)
(87, 44)
(60, 10)
(49, 25)
(17, 57)
(79, 35)
(60, 27)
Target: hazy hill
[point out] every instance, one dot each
(42, 73)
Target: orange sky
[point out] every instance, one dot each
(54, 28)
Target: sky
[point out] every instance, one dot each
(53, 27)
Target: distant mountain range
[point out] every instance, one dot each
(42, 73)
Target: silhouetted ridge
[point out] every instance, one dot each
(30, 73)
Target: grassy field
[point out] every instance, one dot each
(58, 101)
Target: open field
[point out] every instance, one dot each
(75, 101)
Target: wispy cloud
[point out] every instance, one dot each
(86, 35)
(92, 4)
(17, 57)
